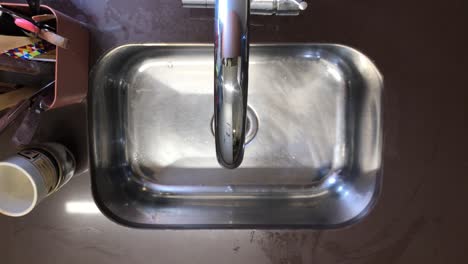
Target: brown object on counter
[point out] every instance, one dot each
(71, 67)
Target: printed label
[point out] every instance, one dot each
(45, 167)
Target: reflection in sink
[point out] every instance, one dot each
(314, 160)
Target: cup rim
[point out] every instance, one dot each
(33, 183)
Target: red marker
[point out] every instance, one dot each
(44, 34)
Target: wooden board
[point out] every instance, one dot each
(11, 42)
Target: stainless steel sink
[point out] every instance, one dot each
(314, 129)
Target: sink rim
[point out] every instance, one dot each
(115, 217)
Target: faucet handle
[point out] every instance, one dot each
(258, 7)
(302, 5)
(288, 7)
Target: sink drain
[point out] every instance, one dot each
(251, 125)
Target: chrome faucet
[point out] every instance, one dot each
(231, 48)
(231, 79)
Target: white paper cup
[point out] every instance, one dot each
(22, 186)
(31, 175)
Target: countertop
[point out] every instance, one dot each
(421, 214)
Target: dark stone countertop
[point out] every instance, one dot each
(420, 216)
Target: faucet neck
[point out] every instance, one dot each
(231, 79)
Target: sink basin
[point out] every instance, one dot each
(313, 159)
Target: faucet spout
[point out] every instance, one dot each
(231, 50)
